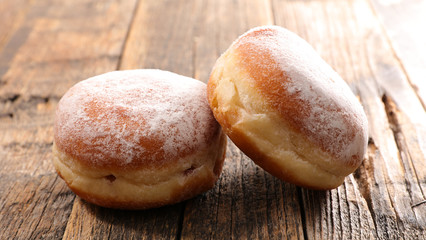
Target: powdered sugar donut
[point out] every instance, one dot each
(287, 109)
(137, 139)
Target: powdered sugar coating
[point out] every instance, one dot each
(135, 117)
(305, 90)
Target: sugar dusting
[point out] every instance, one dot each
(124, 117)
(329, 113)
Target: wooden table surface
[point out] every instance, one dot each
(377, 46)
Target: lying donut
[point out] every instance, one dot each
(287, 109)
(137, 139)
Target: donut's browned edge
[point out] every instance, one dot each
(193, 187)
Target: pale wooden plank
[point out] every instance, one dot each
(362, 223)
(26, 136)
(56, 39)
(379, 201)
(407, 120)
(89, 221)
(55, 45)
(161, 37)
(33, 206)
(13, 15)
(348, 36)
(403, 22)
(404, 109)
(247, 203)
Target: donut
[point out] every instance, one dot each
(137, 139)
(287, 109)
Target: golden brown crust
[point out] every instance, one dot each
(276, 169)
(271, 79)
(144, 188)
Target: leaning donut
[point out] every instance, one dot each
(287, 109)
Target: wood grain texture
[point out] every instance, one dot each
(46, 46)
(89, 221)
(13, 15)
(407, 37)
(161, 37)
(56, 39)
(349, 37)
(33, 206)
(247, 203)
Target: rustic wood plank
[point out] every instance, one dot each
(403, 107)
(407, 121)
(33, 206)
(53, 205)
(55, 40)
(49, 46)
(47, 50)
(347, 35)
(247, 203)
(13, 14)
(403, 22)
(405, 157)
(90, 221)
(26, 139)
(161, 37)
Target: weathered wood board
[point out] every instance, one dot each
(377, 46)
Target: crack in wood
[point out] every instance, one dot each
(20, 99)
(418, 204)
(302, 212)
(39, 99)
(390, 222)
(403, 150)
(13, 105)
(362, 176)
(180, 223)
(399, 227)
(27, 145)
(12, 98)
(393, 121)
(6, 115)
